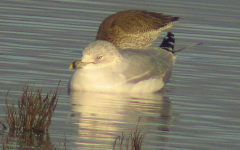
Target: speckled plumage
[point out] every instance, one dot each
(135, 29)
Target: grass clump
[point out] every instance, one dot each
(133, 141)
(34, 111)
(29, 120)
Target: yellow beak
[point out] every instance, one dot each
(71, 66)
(78, 64)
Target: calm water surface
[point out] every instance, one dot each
(198, 109)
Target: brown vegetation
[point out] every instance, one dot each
(34, 111)
(29, 120)
(132, 142)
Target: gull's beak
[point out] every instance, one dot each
(78, 64)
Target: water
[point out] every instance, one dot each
(198, 109)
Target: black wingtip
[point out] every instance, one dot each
(175, 19)
(168, 42)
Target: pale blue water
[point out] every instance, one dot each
(39, 39)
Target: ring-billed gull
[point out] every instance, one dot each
(104, 68)
(135, 29)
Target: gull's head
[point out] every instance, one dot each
(99, 54)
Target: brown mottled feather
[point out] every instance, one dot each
(134, 28)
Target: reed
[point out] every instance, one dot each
(133, 141)
(29, 120)
(34, 111)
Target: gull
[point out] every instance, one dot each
(134, 29)
(106, 69)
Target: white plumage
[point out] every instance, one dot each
(104, 68)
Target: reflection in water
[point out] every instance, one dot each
(26, 140)
(104, 116)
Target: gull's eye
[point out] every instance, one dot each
(100, 57)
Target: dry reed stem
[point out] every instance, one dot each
(34, 111)
(134, 140)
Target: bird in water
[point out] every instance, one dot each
(121, 59)
(105, 68)
(134, 29)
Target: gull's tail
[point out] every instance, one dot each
(168, 42)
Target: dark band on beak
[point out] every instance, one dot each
(74, 65)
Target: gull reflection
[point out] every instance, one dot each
(102, 116)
